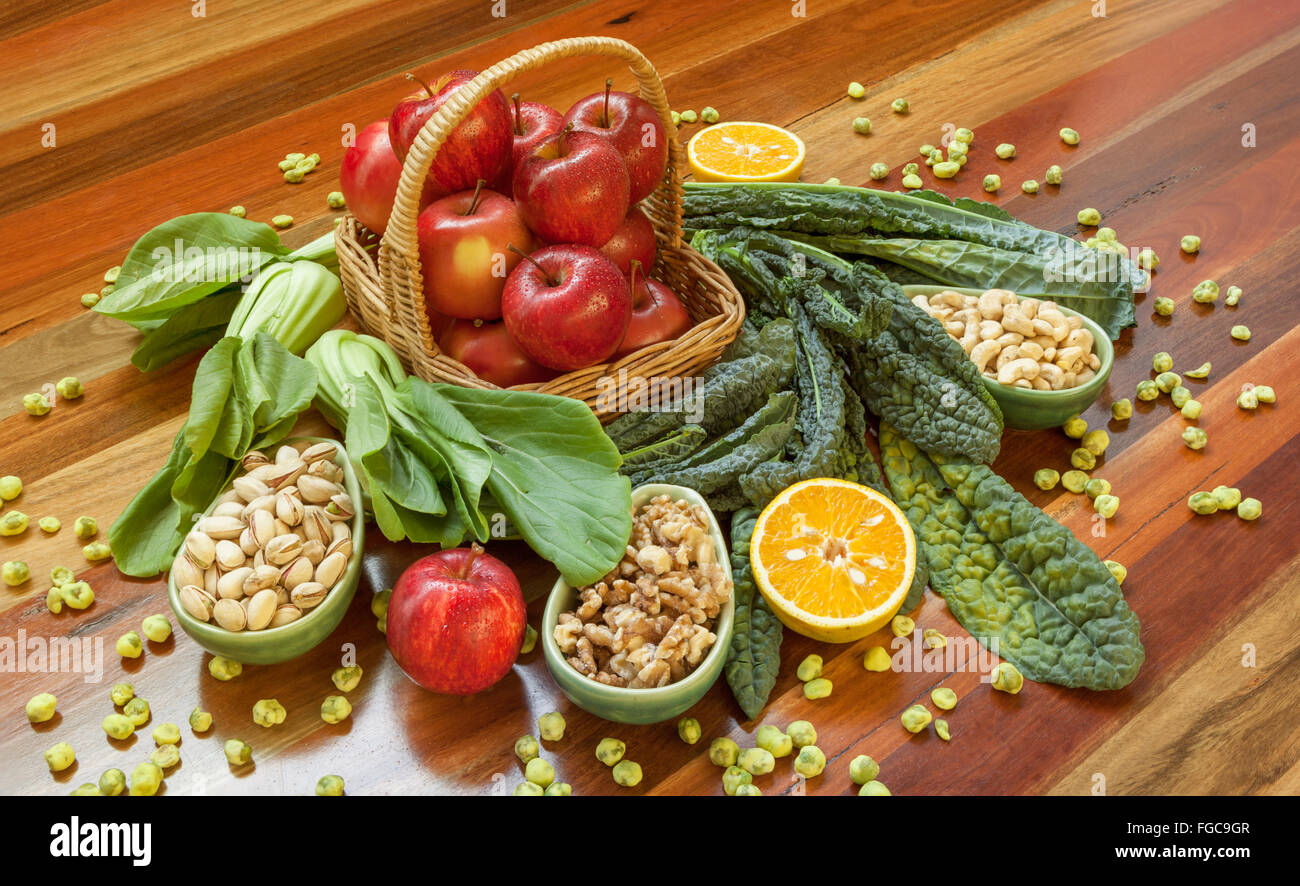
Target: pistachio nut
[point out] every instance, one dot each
(197, 602)
(314, 551)
(316, 525)
(287, 473)
(316, 490)
(211, 576)
(230, 615)
(286, 454)
(201, 549)
(250, 488)
(288, 508)
(341, 530)
(265, 472)
(318, 451)
(299, 571)
(260, 578)
(229, 509)
(341, 545)
(340, 507)
(261, 609)
(284, 614)
(231, 585)
(263, 503)
(254, 458)
(185, 572)
(217, 528)
(230, 555)
(283, 549)
(262, 524)
(248, 542)
(308, 594)
(331, 569)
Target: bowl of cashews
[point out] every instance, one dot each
(1042, 362)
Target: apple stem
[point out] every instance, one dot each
(427, 87)
(631, 276)
(519, 120)
(609, 83)
(533, 262)
(475, 550)
(478, 189)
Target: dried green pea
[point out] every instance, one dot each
(129, 645)
(282, 221)
(963, 136)
(1074, 481)
(379, 603)
(49, 525)
(1069, 136)
(60, 757)
(1095, 487)
(916, 718)
(1147, 259)
(610, 750)
(1117, 570)
(863, 769)
(1005, 151)
(137, 709)
(856, 90)
(925, 149)
(90, 299)
(862, 125)
(1190, 243)
(1106, 505)
(946, 169)
(1121, 410)
(112, 783)
(200, 720)
(944, 698)
(85, 528)
(69, 388)
(237, 752)
(733, 777)
(36, 404)
(1007, 678)
(1167, 381)
(551, 726)
(688, 730)
(1250, 509)
(223, 669)
(1083, 460)
(89, 789)
(1029, 186)
(677, 118)
(62, 575)
(902, 626)
(1205, 292)
(689, 116)
(1089, 217)
(539, 772)
(941, 729)
(877, 659)
(329, 786)
(1233, 296)
(810, 668)
(1147, 390)
(527, 748)
(96, 551)
(118, 726)
(1180, 395)
(1248, 399)
(15, 572)
(1265, 394)
(346, 679)
(756, 761)
(336, 200)
(335, 709)
(899, 106)
(77, 595)
(157, 628)
(1241, 333)
(1163, 306)
(146, 779)
(878, 172)
(801, 733)
(528, 789)
(53, 601)
(1195, 438)
(773, 740)
(627, 773)
(815, 689)
(956, 150)
(810, 762)
(873, 788)
(1053, 175)
(10, 487)
(165, 756)
(268, 712)
(1192, 409)
(530, 640)
(40, 708)
(911, 168)
(293, 177)
(1096, 441)
(558, 789)
(1226, 497)
(166, 733)
(710, 114)
(1075, 427)
(912, 181)
(1046, 478)
(238, 211)
(992, 183)
(722, 752)
(748, 790)
(1162, 362)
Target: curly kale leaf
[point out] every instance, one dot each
(667, 449)
(754, 656)
(1021, 583)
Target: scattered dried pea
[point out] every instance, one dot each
(1007, 678)
(811, 762)
(40, 708)
(941, 729)
(118, 726)
(899, 106)
(157, 628)
(551, 726)
(268, 712)
(1121, 410)
(815, 689)
(733, 777)
(1005, 151)
(53, 601)
(874, 788)
(877, 659)
(336, 200)
(1180, 395)
(756, 761)
(237, 752)
(238, 211)
(10, 487)
(1167, 381)
(1226, 497)
(1095, 487)
(282, 221)
(77, 594)
(911, 168)
(710, 114)
(1083, 460)
(335, 709)
(610, 750)
(1106, 505)
(13, 523)
(862, 125)
(856, 90)
(15, 572)
(36, 404)
(129, 645)
(112, 783)
(902, 626)
(992, 183)
(1265, 394)
(677, 118)
(1250, 509)
(60, 757)
(944, 698)
(528, 789)
(1053, 175)
(748, 790)
(200, 720)
(558, 789)
(1162, 362)
(912, 181)
(1075, 427)
(878, 172)
(1117, 570)
(1202, 503)
(69, 388)
(1241, 333)
(96, 551)
(223, 669)
(722, 752)
(166, 733)
(1192, 409)
(62, 575)
(1096, 441)
(1089, 217)
(688, 730)
(1069, 136)
(1201, 371)
(863, 769)
(85, 528)
(946, 169)
(801, 733)
(539, 772)
(627, 773)
(963, 136)
(1046, 478)
(1234, 296)
(49, 525)
(689, 116)
(1248, 399)
(916, 718)
(1195, 438)
(527, 748)
(810, 668)
(166, 756)
(137, 710)
(146, 779)
(121, 693)
(1029, 186)
(329, 786)
(530, 640)
(925, 149)
(1190, 243)
(90, 299)
(1164, 306)
(1205, 292)
(934, 639)
(1147, 390)
(346, 679)
(773, 740)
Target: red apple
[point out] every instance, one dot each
(456, 621)
(633, 241)
(478, 148)
(567, 306)
(463, 251)
(488, 350)
(533, 122)
(369, 176)
(572, 188)
(657, 314)
(630, 124)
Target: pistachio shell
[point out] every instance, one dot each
(286, 455)
(316, 490)
(284, 614)
(248, 542)
(331, 569)
(228, 509)
(231, 585)
(261, 609)
(299, 571)
(341, 546)
(283, 549)
(230, 555)
(254, 458)
(250, 488)
(314, 551)
(288, 509)
(319, 451)
(340, 507)
(218, 528)
(286, 474)
(184, 572)
(230, 615)
(197, 602)
(308, 594)
(264, 472)
(262, 503)
(210, 577)
(316, 525)
(201, 549)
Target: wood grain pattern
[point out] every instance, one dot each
(159, 114)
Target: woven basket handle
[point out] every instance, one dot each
(401, 233)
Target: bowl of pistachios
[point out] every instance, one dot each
(270, 567)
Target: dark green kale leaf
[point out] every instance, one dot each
(754, 656)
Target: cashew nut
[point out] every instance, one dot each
(990, 329)
(1007, 339)
(1008, 354)
(1080, 338)
(1052, 374)
(970, 336)
(1015, 321)
(1084, 377)
(1031, 349)
(948, 297)
(1029, 308)
(1040, 383)
(983, 352)
(1070, 358)
(1021, 368)
(922, 302)
(992, 302)
(1055, 319)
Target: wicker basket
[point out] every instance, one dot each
(388, 298)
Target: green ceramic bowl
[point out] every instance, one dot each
(1033, 410)
(274, 645)
(640, 705)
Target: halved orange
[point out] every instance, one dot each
(741, 151)
(833, 559)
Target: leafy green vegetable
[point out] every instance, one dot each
(192, 327)
(1012, 575)
(754, 656)
(672, 447)
(246, 395)
(297, 302)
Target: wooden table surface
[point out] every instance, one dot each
(119, 114)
